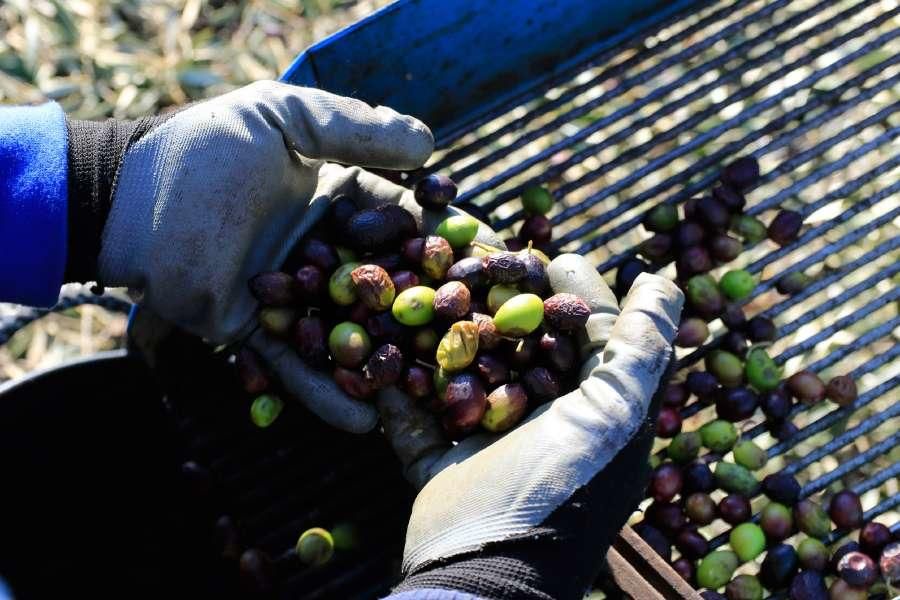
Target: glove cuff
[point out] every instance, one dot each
(95, 152)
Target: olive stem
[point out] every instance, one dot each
(486, 247)
(520, 345)
(425, 364)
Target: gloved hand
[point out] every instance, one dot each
(530, 514)
(204, 198)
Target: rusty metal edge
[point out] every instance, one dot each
(642, 573)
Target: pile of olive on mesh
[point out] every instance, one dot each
(738, 379)
(473, 332)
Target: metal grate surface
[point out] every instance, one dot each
(812, 89)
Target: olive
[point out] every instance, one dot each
(252, 373)
(841, 390)
(701, 383)
(536, 280)
(451, 301)
(811, 519)
(841, 590)
(660, 218)
(785, 227)
(719, 436)
(389, 262)
(733, 316)
(857, 569)
(712, 213)
(541, 384)
(349, 344)
(838, 553)
(353, 382)
(315, 547)
(724, 248)
(359, 313)
(736, 479)
(712, 595)
(668, 422)
(274, 288)
(685, 569)
(657, 249)
(488, 336)
(498, 295)
(403, 280)
(737, 284)
(309, 282)
(345, 536)
(700, 508)
(340, 285)
(627, 273)
(741, 174)
(521, 354)
(441, 379)
(776, 521)
(384, 367)
(425, 342)
(729, 197)
(412, 250)
(736, 404)
(417, 382)
(371, 230)
(747, 540)
(689, 233)
(265, 409)
(536, 229)
(793, 283)
(558, 351)
(744, 587)
(311, 340)
(345, 255)
(782, 430)
(226, 538)
(675, 394)
(806, 387)
(685, 446)
(466, 403)
(469, 271)
(704, 296)
(665, 482)
(522, 314)
(761, 329)
(414, 306)
(689, 208)
(873, 537)
(257, 572)
(716, 569)
(889, 562)
(776, 404)
(778, 567)
(691, 543)
(727, 367)
(846, 510)
(537, 200)
(750, 229)
(749, 455)
(514, 244)
(277, 320)
(503, 267)
(734, 509)
(340, 211)
(458, 230)
(435, 191)
(761, 371)
(808, 585)
(813, 554)
(373, 287)
(505, 408)
(566, 312)
(655, 539)
(697, 478)
(668, 517)
(437, 257)
(492, 370)
(735, 343)
(458, 347)
(314, 251)
(692, 260)
(781, 487)
(692, 332)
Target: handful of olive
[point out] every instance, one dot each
(472, 331)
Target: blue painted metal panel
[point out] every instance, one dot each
(451, 61)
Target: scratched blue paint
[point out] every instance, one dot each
(449, 62)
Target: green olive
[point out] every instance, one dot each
(414, 306)
(737, 284)
(520, 315)
(749, 455)
(762, 372)
(537, 200)
(747, 540)
(459, 230)
(716, 568)
(736, 479)
(719, 435)
(349, 344)
(685, 446)
(458, 347)
(265, 409)
(315, 547)
(340, 286)
(499, 294)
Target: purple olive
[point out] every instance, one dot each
(741, 174)
(685, 569)
(782, 488)
(668, 423)
(712, 213)
(274, 288)
(841, 590)
(808, 585)
(778, 567)
(403, 280)
(785, 227)
(776, 521)
(761, 329)
(665, 482)
(689, 233)
(691, 544)
(776, 404)
(316, 252)
(657, 249)
(492, 370)
(435, 191)
(469, 271)
(627, 273)
(385, 328)
(536, 229)
(310, 284)
(700, 508)
(698, 477)
(806, 387)
(521, 353)
(693, 260)
(701, 383)
(655, 539)
(736, 404)
(873, 537)
(857, 569)
(846, 510)
(840, 552)
(724, 248)
(418, 382)
(412, 250)
(668, 517)
(340, 211)
(465, 404)
(675, 395)
(734, 509)
(782, 430)
(310, 339)
(733, 316)
(729, 197)
(692, 332)
(736, 343)
(558, 350)
(541, 384)
(536, 280)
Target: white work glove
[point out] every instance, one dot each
(213, 194)
(478, 495)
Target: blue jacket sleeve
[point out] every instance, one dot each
(33, 203)
(434, 594)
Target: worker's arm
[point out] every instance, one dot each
(531, 514)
